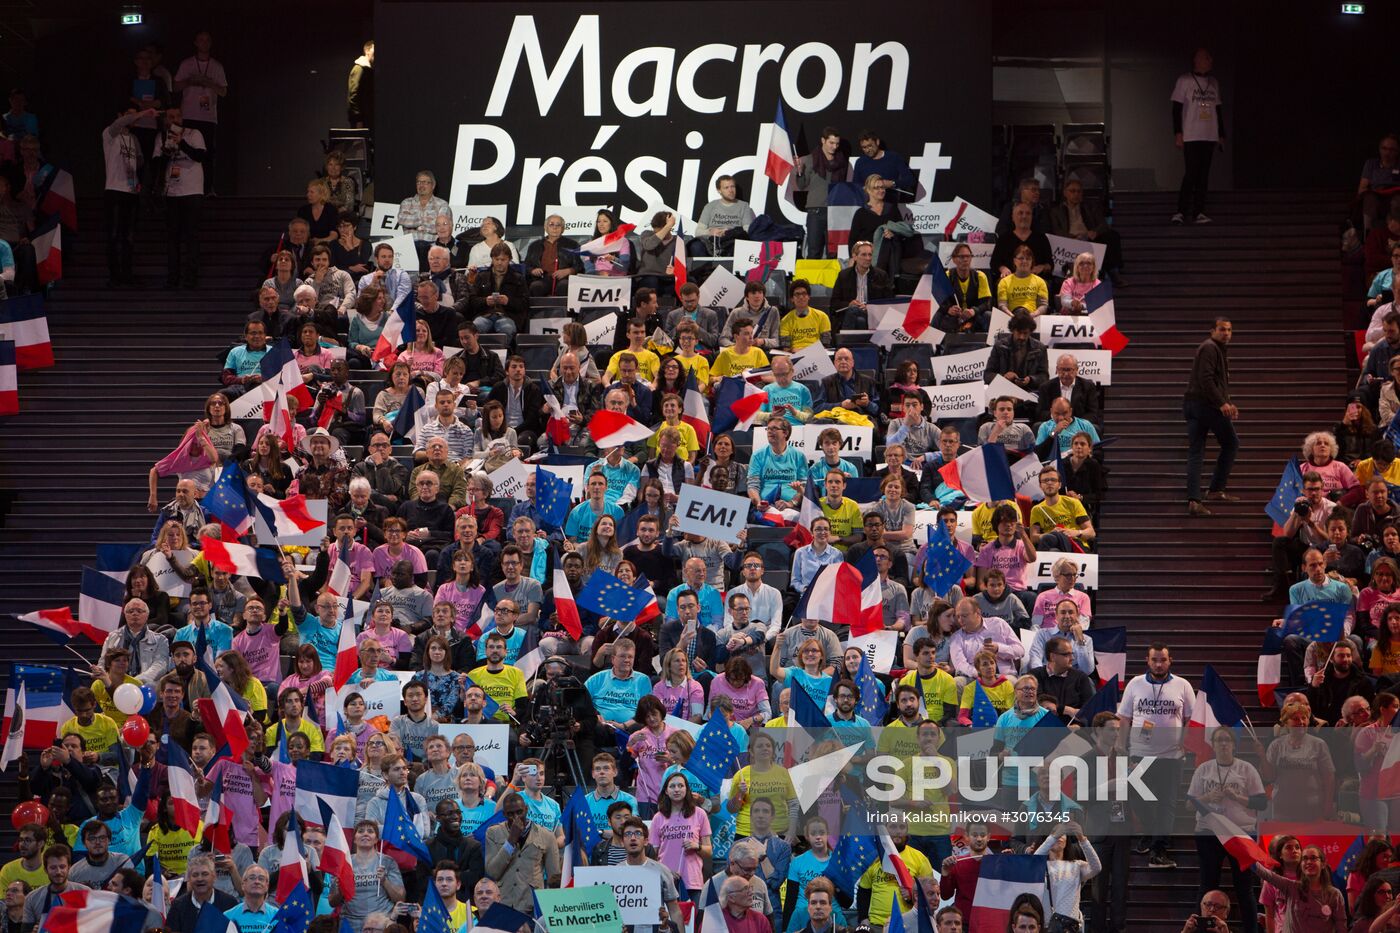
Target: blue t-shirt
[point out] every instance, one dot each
(711, 606)
(619, 477)
(1009, 731)
(598, 808)
(769, 470)
(818, 688)
(818, 470)
(219, 636)
(473, 817)
(249, 921)
(580, 521)
(616, 700)
(544, 811)
(1067, 435)
(126, 833)
(797, 395)
(245, 362)
(801, 870)
(7, 256)
(514, 642)
(325, 640)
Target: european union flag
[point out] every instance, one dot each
(872, 704)
(491, 708)
(211, 919)
(608, 596)
(805, 712)
(293, 916)
(399, 831)
(984, 714)
(1315, 621)
(1290, 487)
(552, 497)
(406, 421)
(579, 829)
(715, 752)
(944, 564)
(229, 501)
(434, 917)
(1348, 861)
(854, 853)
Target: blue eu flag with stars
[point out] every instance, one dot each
(715, 752)
(944, 564)
(608, 596)
(873, 704)
(434, 917)
(855, 853)
(294, 914)
(984, 714)
(228, 499)
(552, 497)
(399, 831)
(1315, 621)
(1290, 487)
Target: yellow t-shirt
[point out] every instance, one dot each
(898, 740)
(940, 692)
(731, 363)
(799, 332)
(15, 871)
(1068, 512)
(173, 848)
(689, 442)
(505, 688)
(105, 705)
(845, 518)
(936, 818)
(256, 695)
(97, 737)
(648, 365)
(977, 283)
(698, 365)
(307, 728)
(1367, 469)
(1030, 292)
(774, 785)
(1002, 694)
(982, 518)
(884, 887)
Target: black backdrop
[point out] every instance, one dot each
(445, 118)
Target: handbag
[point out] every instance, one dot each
(1058, 922)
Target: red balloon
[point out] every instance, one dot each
(135, 731)
(31, 811)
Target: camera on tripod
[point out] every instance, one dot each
(553, 716)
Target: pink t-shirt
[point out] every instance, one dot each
(284, 789)
(1335, 475)
(1073, 290)
(361, 561)
(238, 798)
(1043, 615)
(392, 643)
(746, 698)
(1011, 561)
(383, 560)
(468, 602)
(688, 694)
(669, 835)
(644, 746)
(261, 651)
(305, 361)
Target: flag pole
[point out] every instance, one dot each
(377, 880)
(80, 655)
(1329, 655)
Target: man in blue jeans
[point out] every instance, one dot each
(1207, 408)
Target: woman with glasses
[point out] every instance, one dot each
(1376, 908)
(378, 882)
(372, 774)
(1231, 787)
(1310, 903)
(1377, 855)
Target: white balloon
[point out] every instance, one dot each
(128, 698)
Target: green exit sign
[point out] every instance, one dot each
(134, 19)
(1354, 9)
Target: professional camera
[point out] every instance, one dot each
(553, 714)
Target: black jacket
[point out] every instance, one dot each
(531, 404)
(1033, 371)
(512, 287)
(465, 851)
(1210, 374)
(184, 916)
(389, 478)
(442, 324)
(534, 255)
(878, 285)
(1072, 690)
(437, 516)
(1084, 402)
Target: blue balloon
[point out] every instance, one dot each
(148, 698)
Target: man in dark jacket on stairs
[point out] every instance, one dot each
(1207, 408)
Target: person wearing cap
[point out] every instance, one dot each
(321, 476)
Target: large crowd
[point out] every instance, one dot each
(452, 594)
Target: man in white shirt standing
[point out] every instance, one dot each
(121, 153)
(1154, 711)
(184, 155)
(200, 82)
(1199, 121)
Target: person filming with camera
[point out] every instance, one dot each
(1214, 916)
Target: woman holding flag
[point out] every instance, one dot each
(1310, 902)
(378, 881)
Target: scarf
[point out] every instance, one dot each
(833, 169)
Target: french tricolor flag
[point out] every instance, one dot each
(607, 243)
(338, 579)
(1001, 879)
(1241, 846)
(781, 160)
(48, 251)
(223, 718)
(97, 912)
(399, 328)
(747, 407)
(58, 624)
(1270, 667)
(893, 864)
(279, 367)
(678, 266)
(558, 425)
(1099, 303)
(1215, 706)
(1110, 653)
(183, 794)
(335, 855)
(983, 474)
(287, 517)
(24, 320)
(613, 429)
(347, 655)
(845, 592)
(280, 417)
(565, 606)
(9, 379)
(242, 560)
(694, 412)
(843, 199)
(58, 199)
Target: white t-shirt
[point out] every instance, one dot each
(480, 255)
(198, 102)
(1199, 97)
(1239, 775)
(1166, 706)
(183, 175)
(120, 152)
